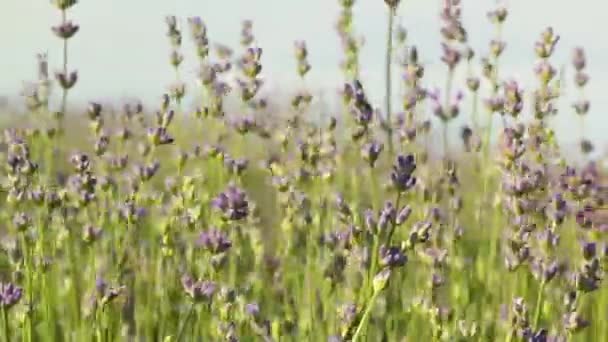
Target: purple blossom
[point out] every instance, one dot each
(236, 166)
(252, 309)
(232, 203)
(387, 215)
(91, 233)
(392, 257)
(589, 250)
(574, 322)
(404, 214)
(214, 240)
(200, 290)
(584, 217)
(9, 295)
(107, 293)
(371, 151)
(160, 136)
(544, 270)
(402, 173)
(579, 60)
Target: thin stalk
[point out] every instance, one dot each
(64, 97)
(581, 120)
(309, 280)
(368, 310)
(27, 260)
(486, 151)
(178, 100)
(183, 328)
(5, 325)
(446, 106)
(72, 254)
(446, 152)
(539, 304)
(486, 143)
(372, 266)
(388, 85)
(474, 111)
(394, 223)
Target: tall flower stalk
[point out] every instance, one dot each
(388, 123)
(65, 30)
(581, 106)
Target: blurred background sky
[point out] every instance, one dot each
(121, 50)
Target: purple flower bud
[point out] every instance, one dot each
(236, 166)
(403, 215)
(105, 293)
(232, 203)
(198, 290)
(498, 15)
(583, 218)
(65, 30)
(214, 240)
(300, 49)
(343, 207)
(370, 221)
(543, 270)
(348, 314)
(451, 56)
(371, 151)
(544, 71)
(159, 136)
(497, 47)
(581, 107)
(21, 221)
(9, 295)
(579, 60)
(495, 104)
(91, 233)
(473, 83)
(392, 257)
(387, 215)
(581, 79)
(401, 175)
(81, 162)
(66, 81)
(574, 322)
(589, 250)
(392, 3)
(252, 309)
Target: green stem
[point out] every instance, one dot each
(388, 85)
(5, 326)
(365, 316)
(372, 266)
(394, 223)
(486, 156)
(539, 304)
(75, 278)
(474, 111)
(27, 260)
(64, 97)
(509, 337)
(183, 328)
(446, 152)
(448, 94)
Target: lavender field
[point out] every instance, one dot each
(225, 212)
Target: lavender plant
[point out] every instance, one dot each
(282, 225)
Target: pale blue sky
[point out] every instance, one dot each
(121, 49)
